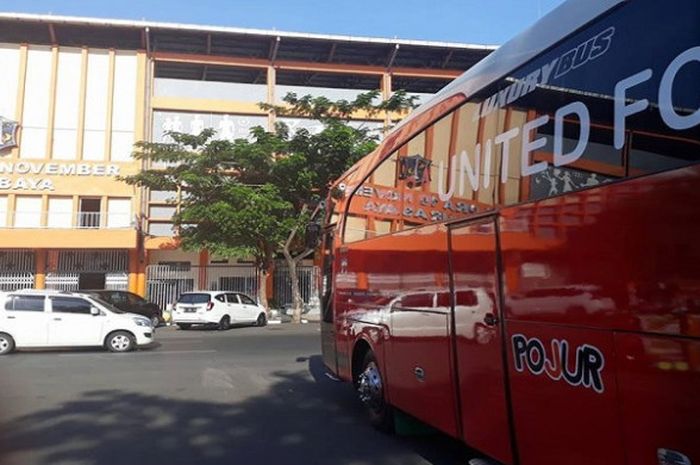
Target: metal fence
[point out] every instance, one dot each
(308, 279)
(12, 281)
(70, 281)
(62, 281)
(164, 283)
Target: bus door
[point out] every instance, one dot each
(328, 347)
(478, 337)
(419, 362)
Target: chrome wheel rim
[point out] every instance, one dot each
(154, 321)
(120, 342)
(370, 387)
(4, 344)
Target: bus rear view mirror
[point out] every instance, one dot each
(312, 235)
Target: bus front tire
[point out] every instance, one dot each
(370, 388)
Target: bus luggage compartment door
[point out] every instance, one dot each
(478, 339)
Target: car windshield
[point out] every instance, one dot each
(194, 299)
(106, 304)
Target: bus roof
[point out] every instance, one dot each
(546, 32)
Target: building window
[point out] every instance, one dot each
(96, 111)
(36, 103)
(60, 212)
(118, 213)
(65, 133)
(89, 213)
(161, 229)
(27, 212)
(3, 211)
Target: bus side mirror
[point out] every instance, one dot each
(312, 235)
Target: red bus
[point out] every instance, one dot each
(518, 263)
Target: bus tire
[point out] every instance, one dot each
(370, 388)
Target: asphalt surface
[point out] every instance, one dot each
(243, 396)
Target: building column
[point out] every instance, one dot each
(40, 271)
(133, 271)
(203, 263)
(386, 94)
(271, 84)
(141, 277)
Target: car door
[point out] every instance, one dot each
(250, 308)
(26, 319)
(72, 324)
(235, 306)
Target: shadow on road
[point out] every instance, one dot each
(301, 419)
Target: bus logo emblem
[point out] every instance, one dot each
(584, 368)
(415, 169)
(8, 133)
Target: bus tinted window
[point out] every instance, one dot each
(609, 102)
(596, 107)
(651, 153)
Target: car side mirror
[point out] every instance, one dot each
(312, 235)
(94, 311)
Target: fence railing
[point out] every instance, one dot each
(308, 279)
(11, 281)
(165, 283)
(66, 220)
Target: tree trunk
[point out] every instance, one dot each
(262, 289)
(297, 301)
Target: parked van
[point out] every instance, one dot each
(44, 318)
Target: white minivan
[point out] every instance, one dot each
(44, 318)
(217, 308)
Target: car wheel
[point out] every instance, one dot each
(225, 323)
(370, 388)
(7, 344)
(155, 321)
(184, 325)
(120, 341)
(262, 320)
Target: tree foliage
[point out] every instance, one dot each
(251, 197)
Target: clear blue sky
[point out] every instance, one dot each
(470, 21)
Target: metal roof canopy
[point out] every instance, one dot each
(238, 42)
(195, 71)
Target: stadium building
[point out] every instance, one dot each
(76, 93)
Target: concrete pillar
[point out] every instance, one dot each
(386, 93)
(271, 83)
(40, 269)
(203, 263)
(141, 264)
(133, 271)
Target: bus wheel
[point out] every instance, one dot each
(370, 388)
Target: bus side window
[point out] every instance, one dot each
(375, 208)
(600, 163)
(649, 154)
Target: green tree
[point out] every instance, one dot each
(253, 197)
(314, 161)
(227, 206)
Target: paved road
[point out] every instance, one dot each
(245, 396)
